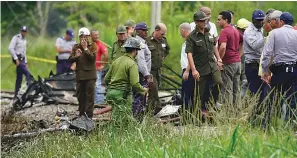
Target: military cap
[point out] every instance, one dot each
(200, 16)
(129, 23)
(121, 29)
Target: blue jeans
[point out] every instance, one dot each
(20, 71)
(99, 92)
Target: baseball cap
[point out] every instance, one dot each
(200, 16)
(287, 17)
(70, 33)
(243, 23)
(129, 23)
(141, 26)
(24, 28)
(258, 14)
(121, 29)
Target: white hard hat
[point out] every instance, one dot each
(83, 31)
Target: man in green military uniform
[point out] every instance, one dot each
(159, 48)
(121, 77)
(200, 47)
(84, 55)
(117, 49)
(130, 25)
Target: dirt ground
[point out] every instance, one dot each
(39, 116)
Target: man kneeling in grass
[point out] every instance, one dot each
(121, 78)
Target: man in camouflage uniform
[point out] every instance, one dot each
(84, 54)
(121, 77)
(157, 44)
(117, 50)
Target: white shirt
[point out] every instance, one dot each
(213, 29)
(65, 45)
(183, 57)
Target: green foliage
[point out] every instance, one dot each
(106, 16)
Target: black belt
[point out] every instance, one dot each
(20, 58)
(253, 64)
(283, 67)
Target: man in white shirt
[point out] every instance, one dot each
(188, 80)
(64, 47)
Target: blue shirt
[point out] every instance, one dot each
(253, 44)
(281, 46)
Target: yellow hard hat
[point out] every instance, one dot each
(243, 23)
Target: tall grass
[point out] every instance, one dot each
(224, 136)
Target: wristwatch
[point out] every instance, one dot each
(86, 48)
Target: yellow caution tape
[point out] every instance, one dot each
(33, 58)
(41, 59)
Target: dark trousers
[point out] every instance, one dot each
(139, 101)
(255, 83)
(63, 66)
(188, 90)
(153, 98)
(284, 86)
(20, 71)
(85, 90)
(207, 87)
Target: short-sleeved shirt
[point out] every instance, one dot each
(159, 50)
(101, 50)
(65, 45)
(202, 48)
(18, 46)
(233, 39)
(117, 50)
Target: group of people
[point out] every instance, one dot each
(240, 57)
(212, 65)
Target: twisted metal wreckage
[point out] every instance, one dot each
(60, 89)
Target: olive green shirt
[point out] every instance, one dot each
(123, 75)
(159, 50)
(116, 51)
(202, 48)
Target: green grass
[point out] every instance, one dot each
(148, 140)
(227, 136)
